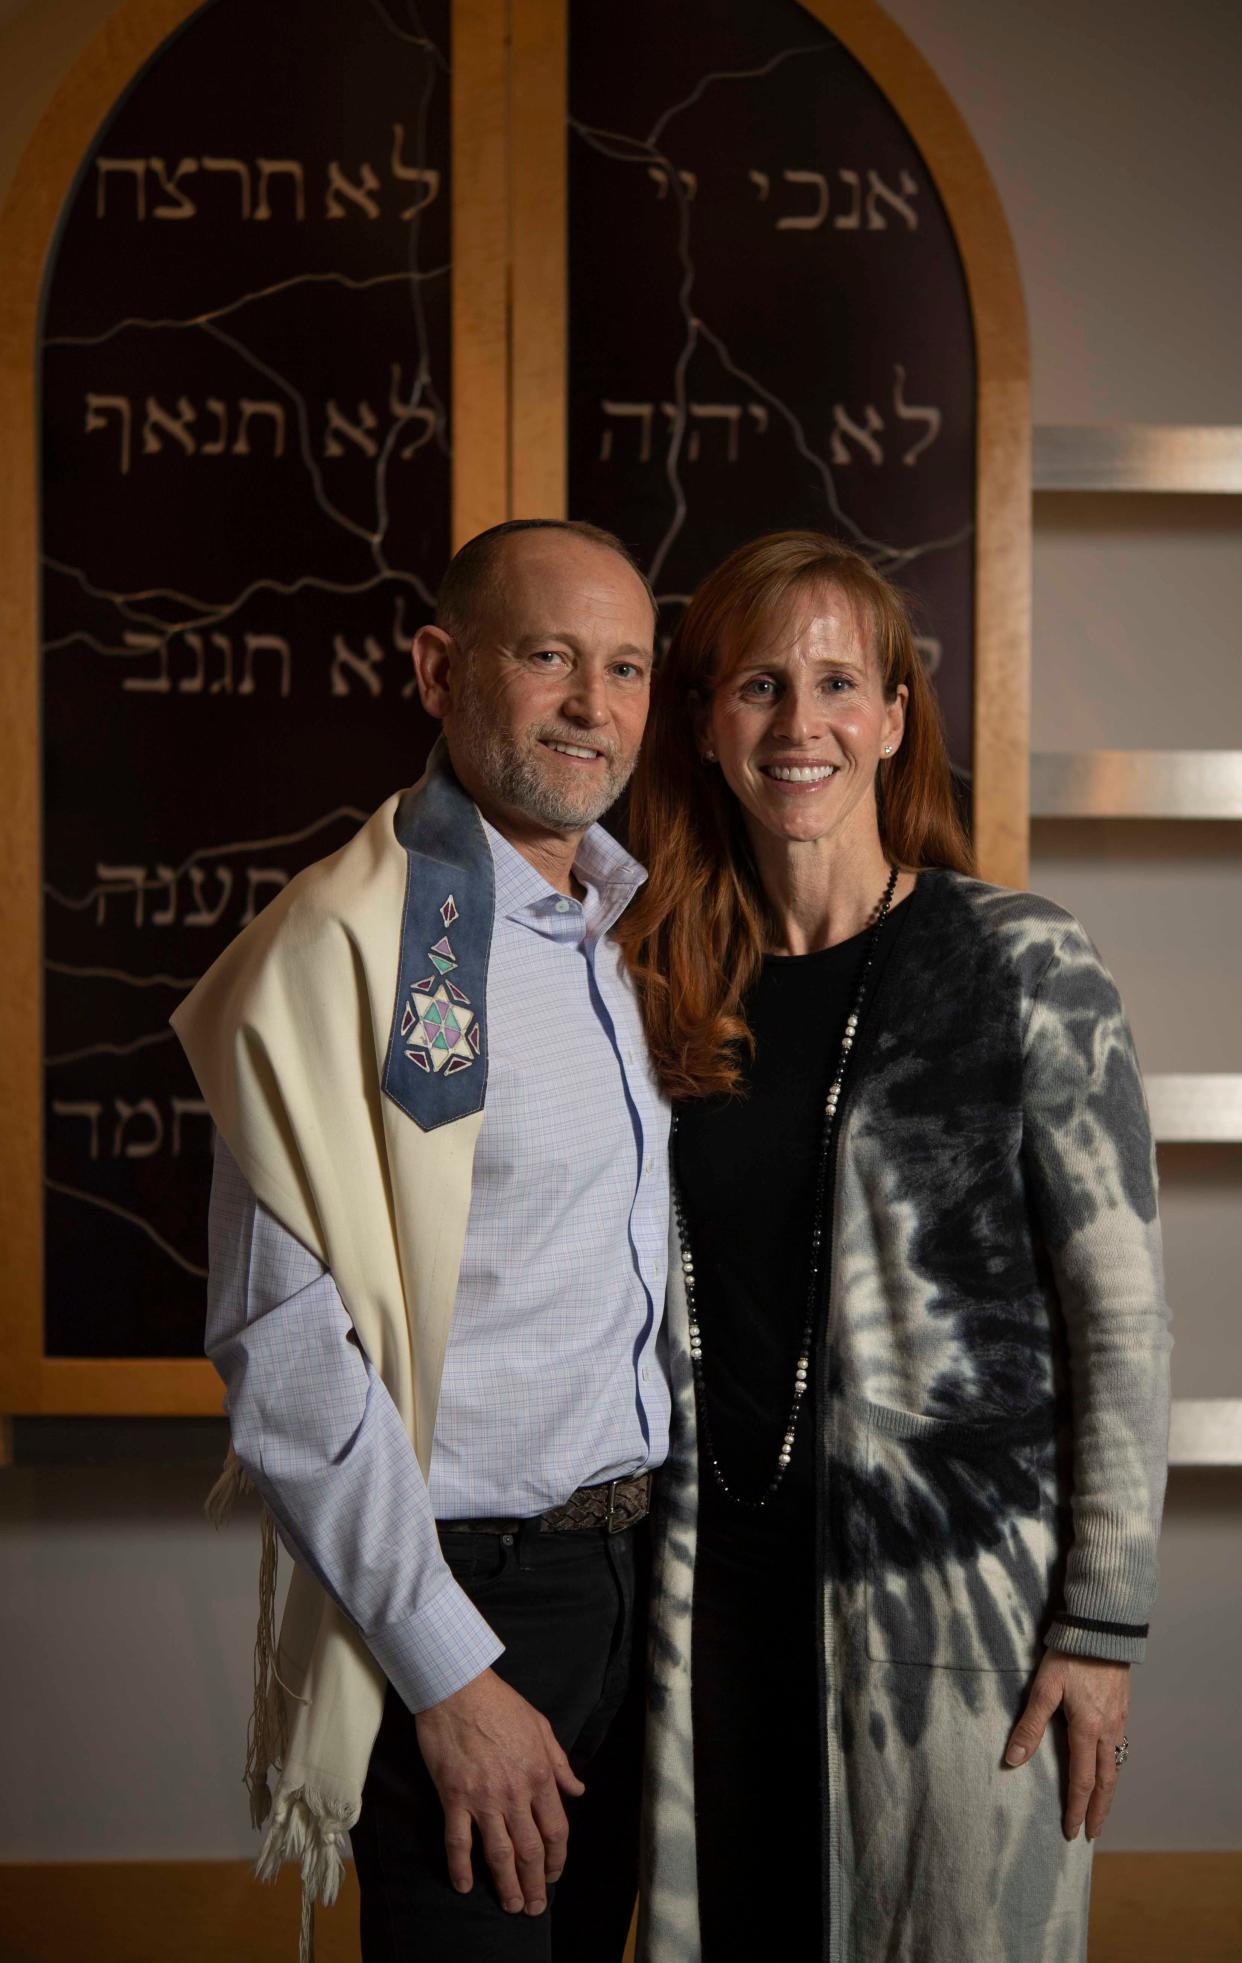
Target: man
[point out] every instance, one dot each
(438, 1242)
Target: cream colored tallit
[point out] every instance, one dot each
(287, 1035)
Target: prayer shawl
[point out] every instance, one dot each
(992, 1408)
(341, 1046)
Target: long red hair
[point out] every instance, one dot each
(695, 936)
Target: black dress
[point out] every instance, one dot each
(746, 1171)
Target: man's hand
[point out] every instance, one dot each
(496, 1764)
(1095, 1698)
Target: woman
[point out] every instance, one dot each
(919, 1337)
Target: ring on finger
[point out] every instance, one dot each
(1121, 1752)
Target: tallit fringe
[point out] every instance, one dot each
(233, 1484)
(266, 1733)
(311, 1830)
(304, 1827)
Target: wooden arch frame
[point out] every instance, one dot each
(509, 421)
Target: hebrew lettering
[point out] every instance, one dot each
(186, 1107)
(204, 915)
(257, 644)
(88, 1109)
(219, 442)
(135, 167)
(256, 877)
(269, 167)
(727, 412)
(428, 181)
(861, 433)
(166, 876)
(116, 880)
(910, 413)
(365, 665)
(238, 169)
(359, 433)
(97, 409)
(157, 684)
(849, 221)
(177, 426)
(144, 1147)
(359, 195)
(275, 411)
(179, 204)
(899, 201)
(407, 409)
(807, 221)
(640, 411)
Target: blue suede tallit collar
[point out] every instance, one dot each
(436, 1067)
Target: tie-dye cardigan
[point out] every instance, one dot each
(993, 1421)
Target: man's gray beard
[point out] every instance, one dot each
(513, 774)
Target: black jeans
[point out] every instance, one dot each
(571, 1612)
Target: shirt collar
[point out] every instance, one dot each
(611, 877)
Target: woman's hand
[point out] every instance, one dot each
(1094, 1697)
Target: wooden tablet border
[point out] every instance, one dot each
(509, 435)
(32, 1383)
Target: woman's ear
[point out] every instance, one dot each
(895, 721)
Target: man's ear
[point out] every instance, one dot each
(435, 653)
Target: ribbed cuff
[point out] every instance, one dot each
(1110, 1641)
(442, 1647)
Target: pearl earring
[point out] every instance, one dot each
(709, 756)
(888, 749)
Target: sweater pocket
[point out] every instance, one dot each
(958, 1549)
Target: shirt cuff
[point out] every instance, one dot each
(441, 1647)
(1111, 1642)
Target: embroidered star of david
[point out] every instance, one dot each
(438, 1027)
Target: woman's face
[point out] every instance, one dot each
(799, 724)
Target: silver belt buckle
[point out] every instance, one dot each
(611, 1522)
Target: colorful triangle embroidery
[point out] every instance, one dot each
(448, 912)
(420, 1058)
(455, 992)
(474, 1037)
(456, 1063)
(444, 967)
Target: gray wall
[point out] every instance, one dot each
(1114, 136)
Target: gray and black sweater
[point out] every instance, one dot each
(993, 1413)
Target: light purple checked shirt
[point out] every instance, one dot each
(554, 1376)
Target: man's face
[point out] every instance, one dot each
(547, 707)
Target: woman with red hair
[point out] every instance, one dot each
(917, 1330)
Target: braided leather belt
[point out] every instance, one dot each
(618, 1504)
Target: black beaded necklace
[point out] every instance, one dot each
(803, 1367)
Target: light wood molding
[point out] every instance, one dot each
(480, 139)
(538, 375)
(1145, 1908)
(1003, 487)
(1138, 457)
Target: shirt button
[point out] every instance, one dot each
(564, 906)
(646, 1374)
(650, 1163)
